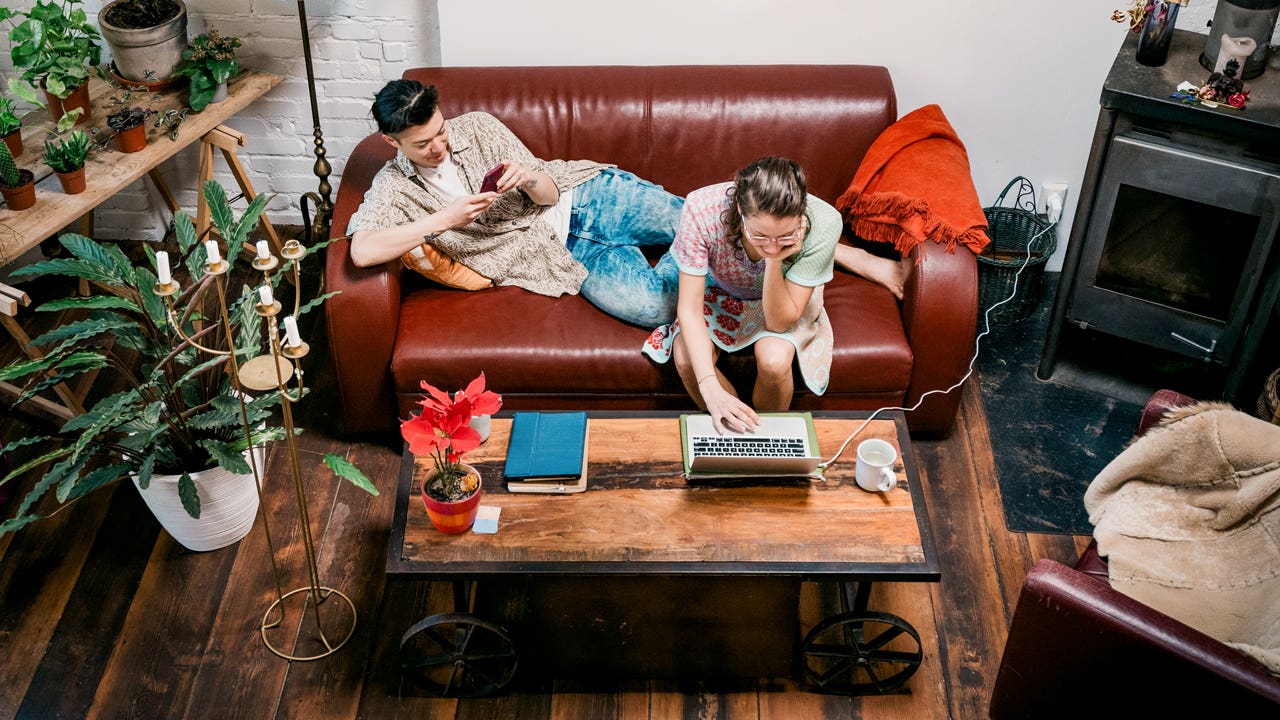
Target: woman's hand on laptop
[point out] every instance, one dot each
(728, 412)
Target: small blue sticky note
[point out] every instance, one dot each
(486, 519)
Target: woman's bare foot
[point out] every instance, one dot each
(890, 273)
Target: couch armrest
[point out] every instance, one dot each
(1072, 636)
(363, 320)
(940, 317)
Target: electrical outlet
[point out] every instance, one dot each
(1055, 199)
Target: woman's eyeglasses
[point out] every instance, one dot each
(757, 239)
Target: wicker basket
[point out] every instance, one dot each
(1011, 229)
(1268, 401)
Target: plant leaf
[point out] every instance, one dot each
(98, 477)
(224, 412)
(344, 469)
(144, 472)
(190, 498)
(92, 302)
(227, 456)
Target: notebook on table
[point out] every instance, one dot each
(547, 453)
(784, 445)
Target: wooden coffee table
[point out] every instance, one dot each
(647, 574)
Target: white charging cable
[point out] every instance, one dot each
(1052, 204)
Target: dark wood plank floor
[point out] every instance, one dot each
(102, 615)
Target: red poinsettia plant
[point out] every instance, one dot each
(443, 430)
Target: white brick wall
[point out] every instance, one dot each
(356, 46)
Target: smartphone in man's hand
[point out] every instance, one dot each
(490, 182)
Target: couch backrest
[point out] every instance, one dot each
(684, 126)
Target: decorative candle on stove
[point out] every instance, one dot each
(215, 255)
(162, 268)
(264, 294)
(291, 336)
(263, 252)
(1238, 49)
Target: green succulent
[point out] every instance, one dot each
(70, 154)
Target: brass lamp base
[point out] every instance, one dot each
(340, 615)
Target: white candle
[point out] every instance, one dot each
(162, 268)
(1235, 48)
(264, 294)
(263, 252)
(215, 255)
(291, 332)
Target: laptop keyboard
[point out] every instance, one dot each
(747, 446)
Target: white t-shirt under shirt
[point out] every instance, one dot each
(444, 180)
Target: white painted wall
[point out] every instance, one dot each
(1019, 80)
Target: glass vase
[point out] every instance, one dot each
(1156, 33)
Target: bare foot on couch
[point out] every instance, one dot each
(890, 273)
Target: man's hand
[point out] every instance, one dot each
(465, 209)
(537, 185)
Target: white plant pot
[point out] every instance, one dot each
(228, 506)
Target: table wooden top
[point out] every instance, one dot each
(108, 170)
(640, 516)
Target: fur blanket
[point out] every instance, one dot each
(1189, 519)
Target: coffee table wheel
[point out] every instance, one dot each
(458, 655)
(861, 653)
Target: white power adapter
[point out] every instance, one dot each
(1055, 199)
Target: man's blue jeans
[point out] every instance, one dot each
(614, 215)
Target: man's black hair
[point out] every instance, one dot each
(403, 104)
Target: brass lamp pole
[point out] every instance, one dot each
(318, 229)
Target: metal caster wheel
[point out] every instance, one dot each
(867, 653)
(458, 655)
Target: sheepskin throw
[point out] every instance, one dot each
(1189, 519)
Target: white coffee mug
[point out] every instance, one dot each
(875, 466)
(481, 425)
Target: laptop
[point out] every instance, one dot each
(784, 445)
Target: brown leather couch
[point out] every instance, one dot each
(682, 127)
(1077, 648)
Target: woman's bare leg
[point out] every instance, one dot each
(774, 383)
(890, 273)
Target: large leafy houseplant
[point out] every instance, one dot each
(177, 410)
(53, 43)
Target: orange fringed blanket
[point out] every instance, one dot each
(914, 184)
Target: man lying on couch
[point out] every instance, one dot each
(573, 226)
(551, 227)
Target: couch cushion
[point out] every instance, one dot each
(545, 352)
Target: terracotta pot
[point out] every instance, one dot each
(72, 182)
(79, 98)
(14, 141)
(135, 51)
(133, 139)
(452, 517)
(24, 195)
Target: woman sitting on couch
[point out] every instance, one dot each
(753, 257)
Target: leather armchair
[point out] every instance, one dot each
(1077, 648)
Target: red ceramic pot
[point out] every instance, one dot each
(452, 517)
(24, 195)
(79, 98)
(72, 182)
(133, 139)
(14, 141)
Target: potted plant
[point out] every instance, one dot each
(451, 491)
(67, 159)
(209, 62)
(172, 410)
(10, 126)
(146, 37)
(53, 46)
(17, 185)
(127, 119)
